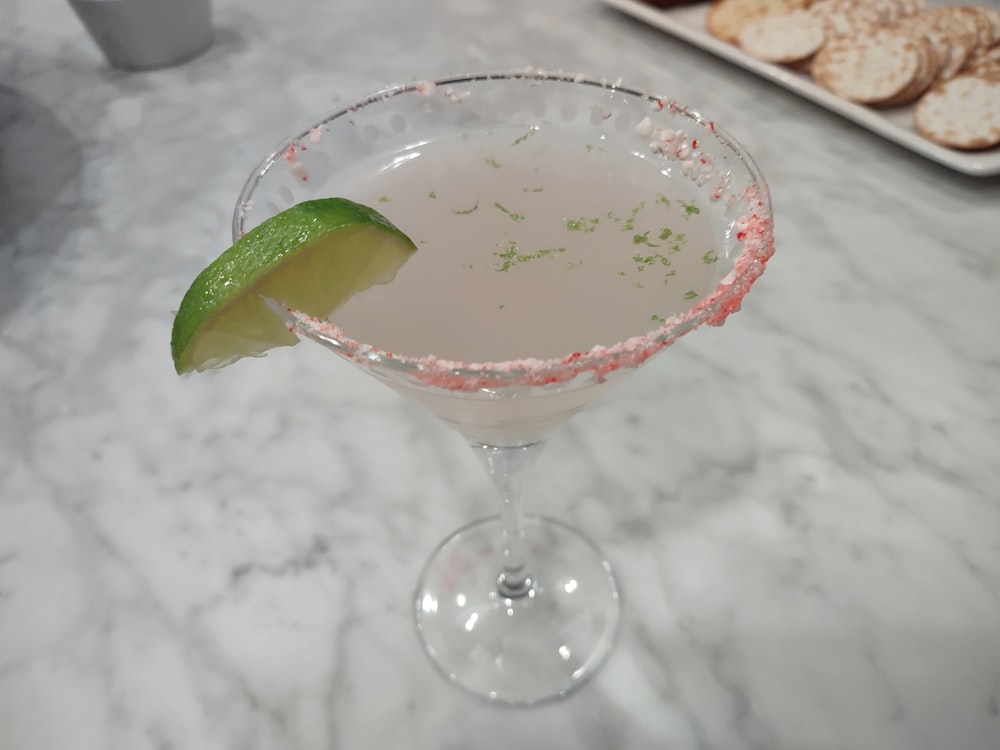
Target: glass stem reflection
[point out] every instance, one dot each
(507, 466)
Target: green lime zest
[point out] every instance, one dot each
(521, 139)
(582, 224)
(690, 209)
(513, 215)
(629, 224)
(643, 239)
(511, 256)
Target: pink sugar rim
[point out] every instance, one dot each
(758, 240)
(755, 232)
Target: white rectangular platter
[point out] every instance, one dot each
(687, 22)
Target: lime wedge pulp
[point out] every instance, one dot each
(312, 257)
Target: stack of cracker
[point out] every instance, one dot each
(883, 53)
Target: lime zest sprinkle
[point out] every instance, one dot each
(643, 239)
(663, 200)
(492, 162)
(432, 194)
(511, 257)
(526, 136)
(384, 199)
(690, 209)
(467, 211)
(532, 190)
(657, 318)
(629, 225)
(513, 215)
(665, 233)
(644, 261)
(510, 250)
(709, 258)
(690, 294)
(582, 225)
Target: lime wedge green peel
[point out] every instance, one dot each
(312, 257)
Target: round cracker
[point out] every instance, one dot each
(846, 17)
(788, 38)
(963, 113)
(927, 70)
(961, 30)
(977, 22)
(990, 74)
(868, 68)
(891, 10)
(986, 59)
(985, 64)
(727, 18)
(962, 46)
(993, 16)
(909, 7)
(923, 24)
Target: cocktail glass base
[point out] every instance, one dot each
(525, 649)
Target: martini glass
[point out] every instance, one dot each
(518, 608)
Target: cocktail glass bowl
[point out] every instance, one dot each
(513, 608)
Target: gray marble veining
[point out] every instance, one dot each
(803, 505)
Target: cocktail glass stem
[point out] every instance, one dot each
(516, 608)
(507, 466)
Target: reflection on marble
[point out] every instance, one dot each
(803, 506)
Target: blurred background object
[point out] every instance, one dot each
(147, 34)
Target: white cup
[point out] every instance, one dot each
(147, 34)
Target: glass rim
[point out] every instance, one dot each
(600, 360)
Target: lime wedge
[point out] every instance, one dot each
(312, 257)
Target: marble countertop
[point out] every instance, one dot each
(803, 505)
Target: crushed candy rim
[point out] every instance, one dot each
(754, 230)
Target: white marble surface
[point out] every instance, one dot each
(803, 506)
